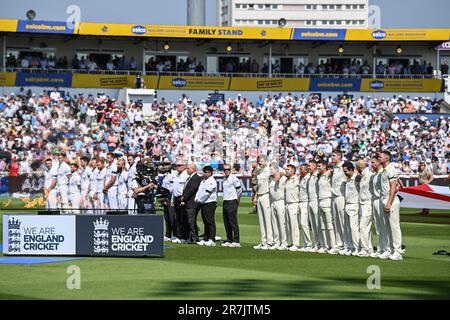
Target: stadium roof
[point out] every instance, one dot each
(256, 33)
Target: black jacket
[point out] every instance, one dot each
(190, 189)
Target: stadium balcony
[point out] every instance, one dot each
(223, 74)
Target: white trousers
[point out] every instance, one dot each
(351, 225)
(304, 224)
(338, 213)
(365, 226)
(52, 200)
(392, 226)
(265, 220)
(279, 222)
(326, 223)
(378, 216)
(313, 209)
(122, 201)
(113, 201)
(293, 228)
(75, 202)
(100, 203)
(64, 196)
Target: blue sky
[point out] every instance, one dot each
(394, 13)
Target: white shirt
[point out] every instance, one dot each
(111, 171)
(131, 175)
(292, 190)
(277, 190)
(178, 183)
(376, 184)
(311, 187)
(50, 175)
(263, 180)
(303, 186)
(324, 187)
(366, 187)
(207, 191)
(74, 184)
(169, 180)
(63, 172)
(232, 188)
(85, 178)
(122, 179)
(338, 181)
(93, 180)
(389, 174)
(100, 178)
(352, 190)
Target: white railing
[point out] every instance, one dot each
(225, 74)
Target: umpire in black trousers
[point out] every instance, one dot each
(188, 200)
(206, 199)
(232, 190)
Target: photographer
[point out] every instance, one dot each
(144, 189)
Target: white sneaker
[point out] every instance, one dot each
(355, 253)
(210, 243)
(274, 247)
(283, 247)
(176, 240)
(396, 256)
(235, 245)
(348, 252)
(375, 254)
(333, 251)
(302, 249)
(322, 250)
(313, 250)
(259, 246)
(201, 243)
(266, 247)
(402, 251)
(341, 251)
(226, 244)
(217, 238)
(363, 253)
(166, 239)
(385, 255)
(293, 248)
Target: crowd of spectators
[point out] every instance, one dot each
(192, 65)
(294, 129)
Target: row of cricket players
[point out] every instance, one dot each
(332, 209)
(95, 184)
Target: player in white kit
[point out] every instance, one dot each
(262, 201)
(50, 191)
(391, 207)
(313, 208)
(277, 188)
(292, 207)
(351, 195)
(131, 174)
(99, 186)
(325, 216)
(63, 180)
(303, 207)
(74, 189)
(86, 171)
(110, 188)
(366, 208)
(122, 179)
(92, 186)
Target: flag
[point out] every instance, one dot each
(426, 196)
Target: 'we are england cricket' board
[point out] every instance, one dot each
(89, 235)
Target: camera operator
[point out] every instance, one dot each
(144, 189)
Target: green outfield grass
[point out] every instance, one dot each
(193, 272)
